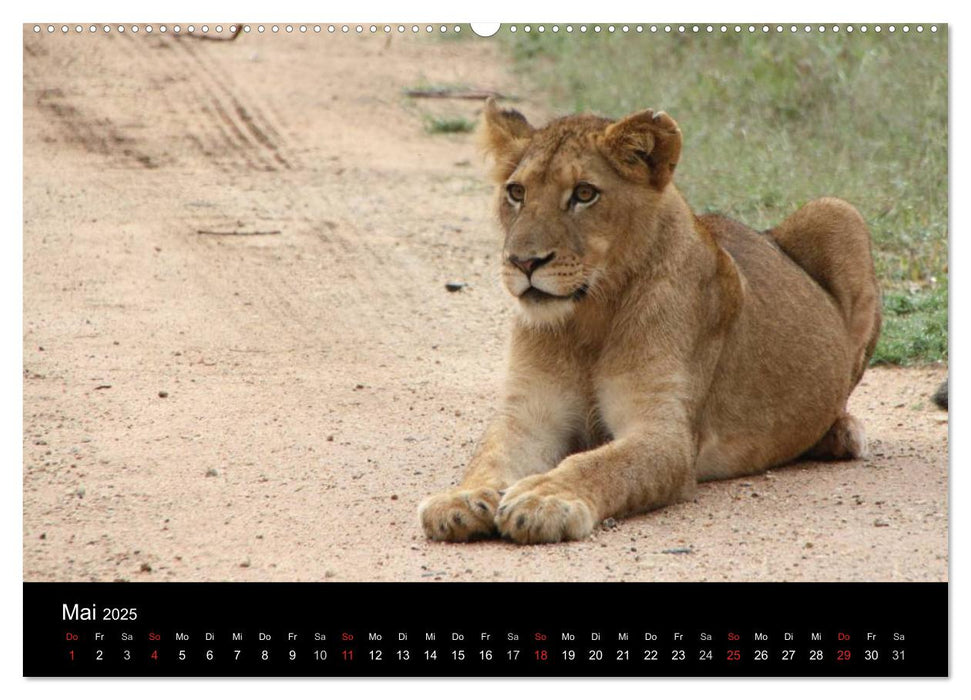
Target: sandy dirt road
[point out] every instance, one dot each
(274, 407)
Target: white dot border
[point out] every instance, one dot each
(220, 31)
(703, 28)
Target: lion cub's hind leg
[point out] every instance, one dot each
(830, 241)
(845, 439)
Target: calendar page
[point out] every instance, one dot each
(524, 349)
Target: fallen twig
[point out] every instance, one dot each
(446, 93)
(237, 233)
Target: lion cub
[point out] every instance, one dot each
(653, 348)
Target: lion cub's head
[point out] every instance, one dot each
(571, 196)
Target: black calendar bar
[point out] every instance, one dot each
(495, 629)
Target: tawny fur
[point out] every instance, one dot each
(653, 348)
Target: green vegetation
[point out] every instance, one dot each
(431, 114)
(448, 125)
(917, 327)
(771, 121)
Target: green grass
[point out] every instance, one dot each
(772, 121)
(915, 327)
(448, 125)
(437, 123)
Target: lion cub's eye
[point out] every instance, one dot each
(585, 193)
(515, 192)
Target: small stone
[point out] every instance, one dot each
(677, 550)
(455, 286)
(163, 394)
(394, 497)
(939, 398)
(330, 573)
(145, 567)
(608, 524)
(880, 523)
(244, 564)
(212, 472)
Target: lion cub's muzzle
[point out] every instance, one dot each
(544, 278)
(527, 265)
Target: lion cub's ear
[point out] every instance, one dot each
(505, 134)
(644, 144)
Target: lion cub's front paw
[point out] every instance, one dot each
(539, 509)
(459, 516)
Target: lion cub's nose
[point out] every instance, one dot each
(528, 265)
